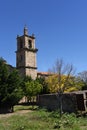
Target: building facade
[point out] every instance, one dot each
(26, 61)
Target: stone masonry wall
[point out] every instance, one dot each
(51, 102)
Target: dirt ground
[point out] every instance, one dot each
(21, 112)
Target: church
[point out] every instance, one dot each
(26, 59)
(26, 55)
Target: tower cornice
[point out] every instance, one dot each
(30, 67)
(32, 37)
(27, 49)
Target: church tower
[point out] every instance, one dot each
(26, 55)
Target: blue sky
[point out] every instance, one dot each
(60, 27)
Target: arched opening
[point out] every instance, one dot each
(30, 44)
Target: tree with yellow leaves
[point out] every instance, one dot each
(73, 84)
(62, 76)
(62, 79)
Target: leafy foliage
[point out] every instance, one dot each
(63, 79)
(10, 89)
(31, 87)
(67, 120)
(45, 89)
(83, 77)
(73, 84)
(63, 74)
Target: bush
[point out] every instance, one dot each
(67, 120)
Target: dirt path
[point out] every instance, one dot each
(20, 112)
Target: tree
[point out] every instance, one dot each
(27, 78)
(23, 85)
(75, 83)
(14, 90)
(83, 77)
(3, 79)
(32, 88)
(10, 89)
(44, 84)
(64, 73)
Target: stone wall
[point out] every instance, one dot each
(52, 101)
(71, 102)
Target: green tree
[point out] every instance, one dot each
(14, 90)
(32, 88)
(26, 79)
(44, 84)
(83, 78)
(10, 87)
(3, 79)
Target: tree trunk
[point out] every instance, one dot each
(60, 104)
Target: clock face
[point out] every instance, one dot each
(29, 44)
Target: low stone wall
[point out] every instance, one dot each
(52, 102)
(71, 102)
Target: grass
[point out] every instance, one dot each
(40, 119)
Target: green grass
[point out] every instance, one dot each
(38, 119)
(24, 107)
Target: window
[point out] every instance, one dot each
(29, 44)
(21, 43)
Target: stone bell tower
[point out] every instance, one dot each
(26, 55)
